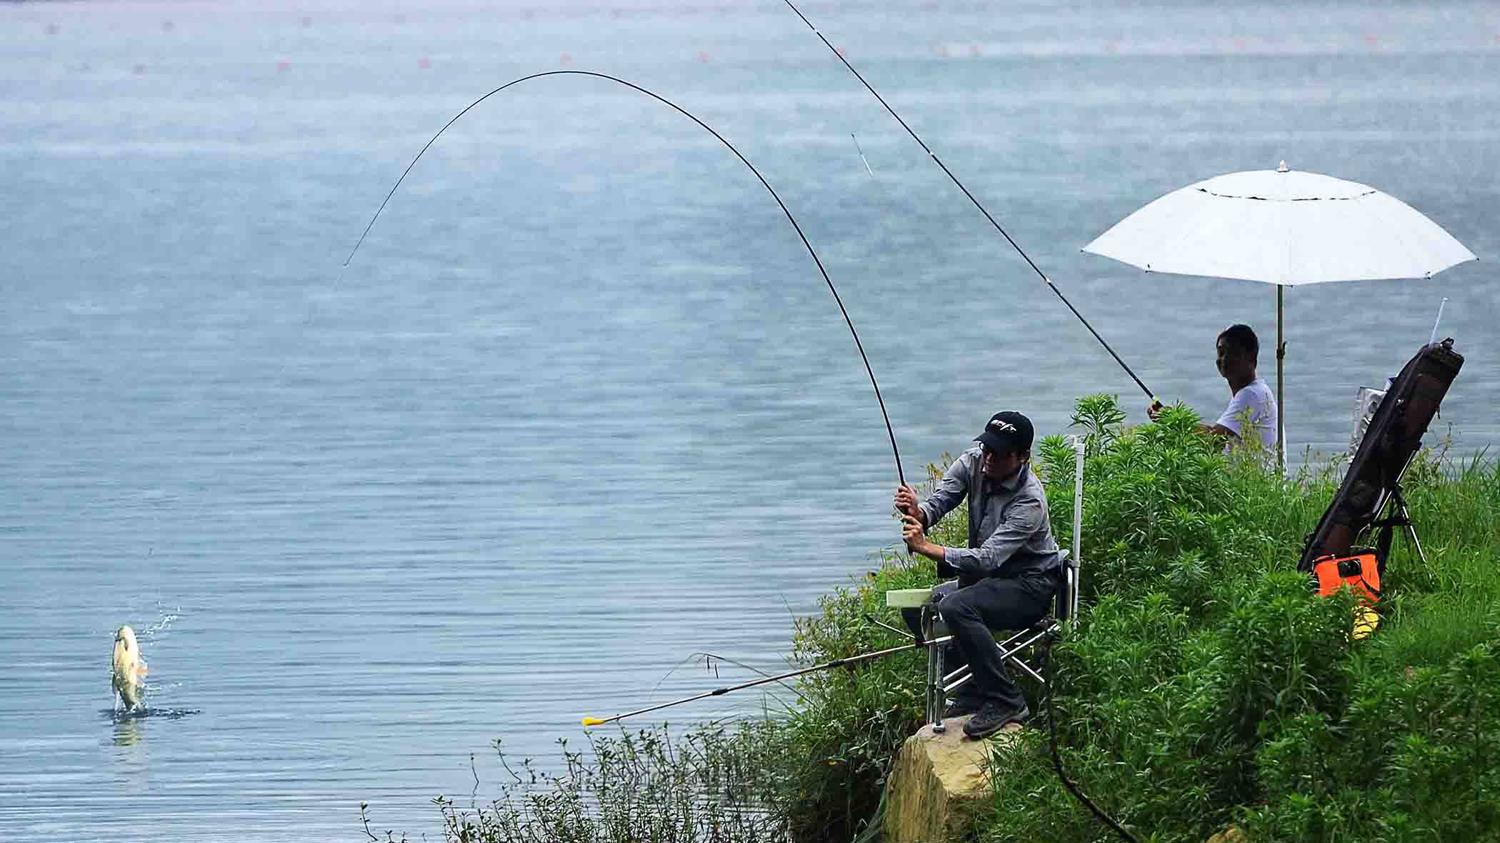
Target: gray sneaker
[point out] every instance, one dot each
(992, 717)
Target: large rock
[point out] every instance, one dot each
(938, 784)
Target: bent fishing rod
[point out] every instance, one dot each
(859, 346)
(982, 209)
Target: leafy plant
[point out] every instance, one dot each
(715, 783)
(1101, 418)
(1202, 685)
(1206, 685)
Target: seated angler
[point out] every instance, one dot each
(1007, 576)
(1251, 415)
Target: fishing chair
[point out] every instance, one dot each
(1015, 648)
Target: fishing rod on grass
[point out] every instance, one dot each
(859, 346)
(848, 661)
(983, 210)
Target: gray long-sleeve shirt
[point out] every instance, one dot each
(1009, 531)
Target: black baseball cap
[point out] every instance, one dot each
(1007, 433)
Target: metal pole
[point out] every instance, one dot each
(936, 702)
(1438, 321)
(1280, 379)
(1079, 446)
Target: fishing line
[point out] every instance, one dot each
(895, 452)
(862, 157)
(1071, 786)
(983, 210)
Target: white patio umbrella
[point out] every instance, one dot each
(1281, 227)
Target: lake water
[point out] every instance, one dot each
(582, 406)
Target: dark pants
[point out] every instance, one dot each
(972, 612)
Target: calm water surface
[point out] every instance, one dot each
(582, 406)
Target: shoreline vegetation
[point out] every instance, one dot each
(1204, 685)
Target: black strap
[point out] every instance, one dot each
(976, 500)
(1387, 527)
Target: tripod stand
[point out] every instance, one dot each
(1400, 516)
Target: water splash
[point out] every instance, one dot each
(164, 620)
(118, 715)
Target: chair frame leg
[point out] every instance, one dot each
(1010, 651)
(936, 698)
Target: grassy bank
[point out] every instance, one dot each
(1204, 684)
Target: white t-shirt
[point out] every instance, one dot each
(1256, 403)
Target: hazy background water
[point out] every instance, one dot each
(582, 406)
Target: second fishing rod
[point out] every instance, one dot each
(1072, 786)
(977, 204)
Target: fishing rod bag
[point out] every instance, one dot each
(1373, 482)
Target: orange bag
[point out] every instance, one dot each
(1361, 573)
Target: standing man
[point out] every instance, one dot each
(1007, 576)
(1251, 415)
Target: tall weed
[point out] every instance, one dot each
(1203, 684)
(1206, 685)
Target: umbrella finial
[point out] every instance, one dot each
(1282, 168)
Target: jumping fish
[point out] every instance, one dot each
(128, 669)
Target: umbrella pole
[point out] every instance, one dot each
(1280, 378)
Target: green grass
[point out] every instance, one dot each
(716, 783)
(1204, 684)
